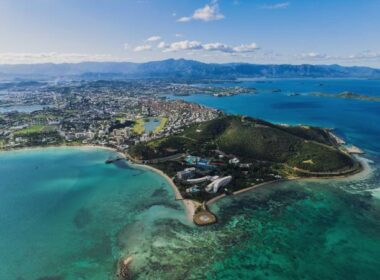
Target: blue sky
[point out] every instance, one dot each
(256, 31)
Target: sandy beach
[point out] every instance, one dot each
(190, 205)
(84, 146)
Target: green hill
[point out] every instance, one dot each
(299, 149)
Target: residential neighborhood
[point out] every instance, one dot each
(92, 113)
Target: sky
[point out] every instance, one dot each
(345, 32)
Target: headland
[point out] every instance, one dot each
(234, 154)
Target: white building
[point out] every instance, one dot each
(186, 174)
(234, 161)
(215, 185)
(199, 180)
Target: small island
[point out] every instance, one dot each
(348, 95)
(232, 154)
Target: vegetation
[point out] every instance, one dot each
(34, 129)
(138, 127)
(120, 119)
(348, 95)
(295, 148)
(161, 126)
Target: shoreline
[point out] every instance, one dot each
(63, 146)
(364, 171)
(219, 197)
(191, 205)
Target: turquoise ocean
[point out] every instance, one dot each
(64, 214)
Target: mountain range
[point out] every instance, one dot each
(182, 69)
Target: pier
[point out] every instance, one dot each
(112, 160)
(204, 217)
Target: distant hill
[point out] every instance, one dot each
(182, 69)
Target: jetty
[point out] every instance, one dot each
(203, 216)
(112, 160)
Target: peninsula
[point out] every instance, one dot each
(231, 154)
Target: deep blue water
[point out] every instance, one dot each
(356, 120)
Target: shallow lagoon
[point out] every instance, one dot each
(66, 214)
(63, 212)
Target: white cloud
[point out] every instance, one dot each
(184, 19)
(183, 45)
(142, 48)
(51, 57)
(276, 6)
(153, 38)
(209, 12)
(246, 48)
(365, 55)
(217, 47)
(196, 45)
(314, 55)
(162, 45)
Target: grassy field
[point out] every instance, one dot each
(34, 129)
(120, 119)
(45, 116)
(138, 127)
(161, 126)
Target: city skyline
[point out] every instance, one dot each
(295, 32)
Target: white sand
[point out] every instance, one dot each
(190, 205)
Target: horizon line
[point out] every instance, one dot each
(184, 59)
